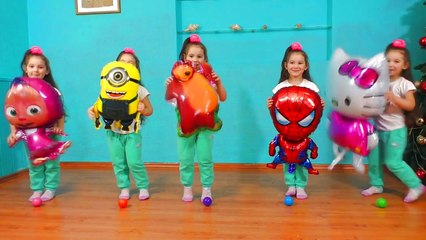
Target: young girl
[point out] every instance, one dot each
(44, 177)
(201, 142)
(391, 126)
(125, 146)
(295, 72)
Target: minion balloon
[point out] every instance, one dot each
(118, 100)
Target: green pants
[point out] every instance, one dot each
(200, 143)
(390, 152)
(297, 179)
(126, 157)
(46, 176)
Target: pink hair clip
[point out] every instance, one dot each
(194, 38)
(129, 50)
(36, 50)
(296, 46)
(398, 43)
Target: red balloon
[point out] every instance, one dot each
(192, 90)
(122, 203)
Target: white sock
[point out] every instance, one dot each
(36, 194)
(48, 195)
(124, 194)
(207, 192)
(143, 194)
(372, 190)
(291, 191)
(414, 194)
(187, 194)
(300, 193)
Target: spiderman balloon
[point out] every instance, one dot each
(296, 113)
(357, 91)
(33, 106)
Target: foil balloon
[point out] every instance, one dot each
(357, 91)
(118, 99)
(296, 113)
(33, 106)
(192, 92)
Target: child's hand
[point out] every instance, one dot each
(322, 103)
(216, 78)
(168, 81)
(11, 139)
(269, 103)
(91, 113)
(141, 106)
(57, 130)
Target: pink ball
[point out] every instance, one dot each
(37, 202)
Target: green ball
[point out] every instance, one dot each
(381, 203)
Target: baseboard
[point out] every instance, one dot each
(221, 166)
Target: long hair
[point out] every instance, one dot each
(398, 46)
(36, 51)
(284, 72)
(193, 40)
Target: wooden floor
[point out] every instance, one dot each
(248, 204)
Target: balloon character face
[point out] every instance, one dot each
(119, 81)
(32, 103)
(296, 112)
(195, 98)
(357, 86)
(118, 99)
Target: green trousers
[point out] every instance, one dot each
(201, 144)
(126, 157)
(46, 176)
(390, 152)
(299, 178)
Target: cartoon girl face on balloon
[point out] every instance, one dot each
(33, 106)
(357, 93)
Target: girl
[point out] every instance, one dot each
(391, 126)
(201, 142)
(125, 146)
(44, 177)
(295, 72)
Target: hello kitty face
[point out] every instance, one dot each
(357, 87)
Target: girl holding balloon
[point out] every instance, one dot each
(45, 176)
(391, 126)
(295, 72)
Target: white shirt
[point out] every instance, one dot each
(142, 93)
(393, 117)
(305, 83)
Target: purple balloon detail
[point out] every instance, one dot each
(364, 77)
(350, 133)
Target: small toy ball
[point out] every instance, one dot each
(381, 203)
(288, 201)
(37, 202)
(122, 203)
(207, 201)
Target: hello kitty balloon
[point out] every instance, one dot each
(357, 93)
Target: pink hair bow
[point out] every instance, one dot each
(364, 77)
(194, 38)
(36, 50)
(399, 43)
(129, 50)
(296, 46)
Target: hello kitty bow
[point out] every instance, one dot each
(364, 77)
